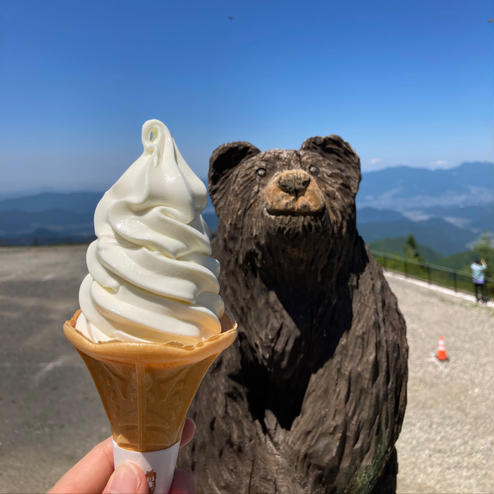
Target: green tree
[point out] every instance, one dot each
(411, 249)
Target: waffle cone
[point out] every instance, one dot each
(147, 388)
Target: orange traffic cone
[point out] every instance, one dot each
(441, 350)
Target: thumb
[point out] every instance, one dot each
(126, 479)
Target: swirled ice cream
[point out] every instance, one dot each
(151, 275)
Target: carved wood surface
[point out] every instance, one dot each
(311, 396)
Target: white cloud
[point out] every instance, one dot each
(375, 161)
(439, 163)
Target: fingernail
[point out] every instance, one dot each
(125, 480)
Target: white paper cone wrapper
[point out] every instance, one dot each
(158, 466)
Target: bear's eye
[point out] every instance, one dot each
(261, 172)
(314, 170)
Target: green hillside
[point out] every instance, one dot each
(438, 234)
(396, 246)
(460, 261)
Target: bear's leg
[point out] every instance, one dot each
(386, 484)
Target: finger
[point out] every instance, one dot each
(183, 483)
(90, 474)
(127, 478)
(188, 432)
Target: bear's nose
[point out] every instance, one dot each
(294, 183)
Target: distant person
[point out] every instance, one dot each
(478, 268)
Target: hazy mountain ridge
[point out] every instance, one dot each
(435, 233)
(403, 188)
(79, 202)
(474, 218)
(447, 230)
(22, 222)
(444, 209)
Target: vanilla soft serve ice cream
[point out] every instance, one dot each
(151, 321)
(151, 275)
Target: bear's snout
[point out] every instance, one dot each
(293, 192)
(294, 182)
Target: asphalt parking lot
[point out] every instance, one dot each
(51, 414)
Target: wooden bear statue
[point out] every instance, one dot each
(311, 397)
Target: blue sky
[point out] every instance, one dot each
(407, 82)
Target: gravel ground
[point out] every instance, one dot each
(50, 413)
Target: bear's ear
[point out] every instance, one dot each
(225, 158)
(335, 148)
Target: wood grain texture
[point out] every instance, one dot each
(311, 396)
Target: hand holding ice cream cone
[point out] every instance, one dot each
(95, 473)
(151, 320)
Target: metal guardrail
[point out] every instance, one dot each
(433, 274)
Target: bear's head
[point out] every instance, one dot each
(300, 200)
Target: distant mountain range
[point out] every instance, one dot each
(47, 218)
(444, 209)
(77, 202)
(435, 233)
(404, 188)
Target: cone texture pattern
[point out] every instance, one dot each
(147, 388)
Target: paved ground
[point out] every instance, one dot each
(50, 413)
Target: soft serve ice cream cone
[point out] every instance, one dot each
(151, 319)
